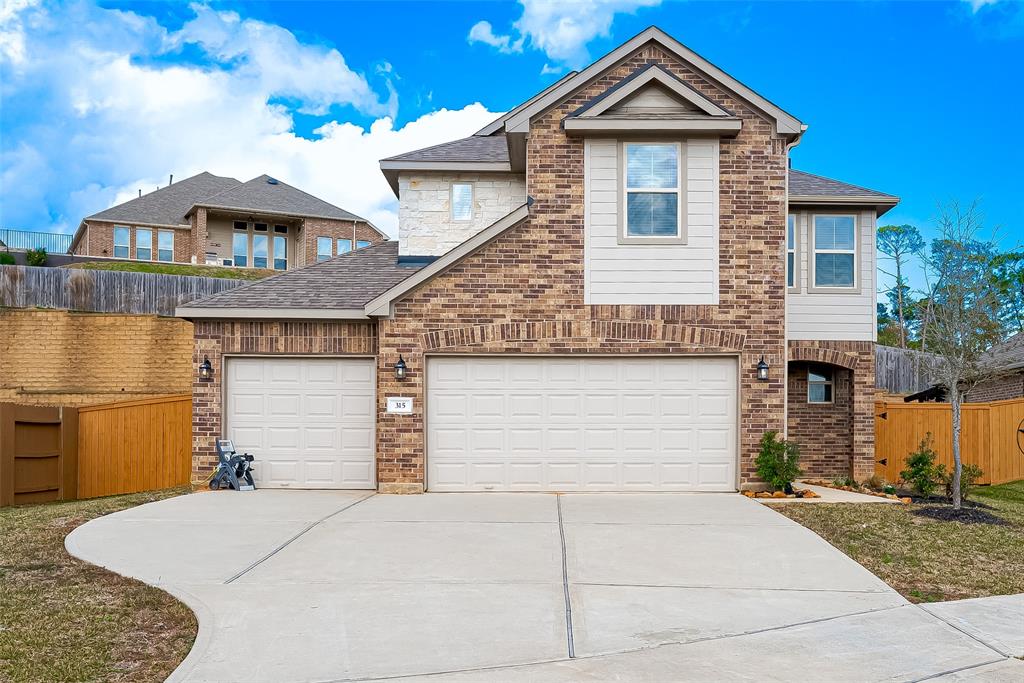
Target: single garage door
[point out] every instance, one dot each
(308, 421)
(506, 423)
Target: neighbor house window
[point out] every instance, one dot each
(344, 246)
(122, 241)
(280, 253)
(323, 248)
(281, 229)
(652, 189)
(835, 252)
(165, 245)
(241, 225)
(791, 251)
(259, 227)
(143, 244)
(362, 243)
(819, 385)
(240, 249)
(462, 201)
(259, 251)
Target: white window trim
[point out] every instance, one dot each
(274, 258)
(115, 245)
(451, 202)
(158, 249)
(812, 286)
(252, 250)
(351, 245)
(316, 248)
(795, 251)
(679, 190)
(830, 382)
(138, 232)
(248, 248)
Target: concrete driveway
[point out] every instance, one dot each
(327, 586)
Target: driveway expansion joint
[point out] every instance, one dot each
(300, 534)
(947, 622)
(565, 581)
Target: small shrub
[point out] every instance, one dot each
(969, 476)
(6, 259)
(921, 474)
(778, 462)
(875, 482)
(36, 257)
(840, 482)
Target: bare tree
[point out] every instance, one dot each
(900, 242)
(962, 312)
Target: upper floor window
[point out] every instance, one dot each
(165, 245)
(259, 227)
(835, 251)
(344, 246)
(280, 253)
(282, 229)
(240, 249)
(241, 225)
(819, 385)
(259, 251)
(652, 189)
(791, 251)
(362, 243)
(122, 243)
(323, 248)
(462, 201)
(143, 244)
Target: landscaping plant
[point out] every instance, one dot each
(36, 257)
(922, 474)
(778, 463)
(6, 259)
(969, 476)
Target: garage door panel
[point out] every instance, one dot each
(308, 421)
(594, 423)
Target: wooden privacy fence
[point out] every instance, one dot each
(989, 437)
(901, 371)
(104, 291)
(63, 454)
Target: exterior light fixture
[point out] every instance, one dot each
(205, 368)
(762, 370)
(400, 368)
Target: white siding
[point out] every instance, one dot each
(651, 274)
(814, 315)
(425, 227)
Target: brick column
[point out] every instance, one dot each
(199, 236)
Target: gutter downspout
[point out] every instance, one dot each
(785, 309)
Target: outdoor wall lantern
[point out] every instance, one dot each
(400, 368)
(205, 368)
(762, 370)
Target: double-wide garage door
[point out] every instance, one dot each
(308, 421)
(593, 424)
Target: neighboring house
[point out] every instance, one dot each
(579, 298)
(1008, 359)
(207, 219)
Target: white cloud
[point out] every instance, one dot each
(119, 118)
(483, 32)
(978, 4)
(561, 30)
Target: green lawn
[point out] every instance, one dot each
(177, 269)
(926, 559)
(66, 620)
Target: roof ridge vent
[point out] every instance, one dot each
(271, 181)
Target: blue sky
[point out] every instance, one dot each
(102, 99)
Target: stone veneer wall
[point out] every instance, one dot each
(77, 359)
(523, 292)
(217, 339)
(424, 209)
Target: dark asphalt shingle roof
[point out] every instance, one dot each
(489, 148)
(168, 205)
(807, 184)
(267, 194)
(343, 282)
(1009, 354)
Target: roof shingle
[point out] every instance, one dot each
(343, 282)
(168, 205)
(268, 194)
(489, 148)
(808, 184)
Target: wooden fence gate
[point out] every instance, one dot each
(49, 454)
(989, 437)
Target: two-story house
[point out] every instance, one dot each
(212, 220)
(618, 285)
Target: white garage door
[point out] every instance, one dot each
(568, 424)
(308, 421)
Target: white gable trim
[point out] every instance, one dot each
(381, 305)
(519, 121)
(655, 74)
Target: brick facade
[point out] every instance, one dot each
(999, 389)
(62, 358)
(335, 229)
(98, 240)
(217, 340)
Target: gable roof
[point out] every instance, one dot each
(806, 184)
(169, 204)
(644, 77)
(264, 194)
(1008, 355)
(518, 120)
(475, 153)
(336, 288)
